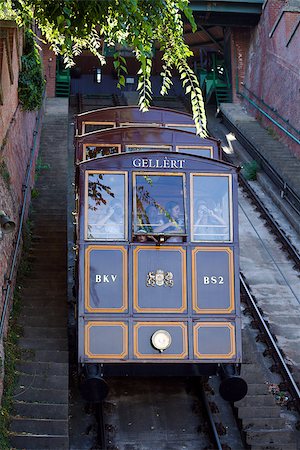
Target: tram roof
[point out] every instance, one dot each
(132, 114)
(138, 134)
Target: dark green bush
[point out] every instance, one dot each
(249, 170)
(31, 81)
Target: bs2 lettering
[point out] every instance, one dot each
(213, 280)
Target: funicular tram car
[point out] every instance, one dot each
(157, 239)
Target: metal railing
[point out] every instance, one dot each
(286, 191)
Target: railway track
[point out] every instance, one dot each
(143, 414)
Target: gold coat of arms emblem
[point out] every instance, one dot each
(160, 278)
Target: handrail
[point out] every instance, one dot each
(274, 111)
(26, 187)
(290, 135)
(286, 191)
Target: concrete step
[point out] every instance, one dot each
(59, 309)
(42, 368)
(269, 437)
(31, 395)
(256, 400)
(44, 344)
(40, 410)
(39, 270)
(31, 441)
(45, 286)
(271, 423)
(39, 297)
(43, 321)
(258, 411)
(39, 426)
(275, 447)
(45, 355)
(44, 332)
(42, 381)
(257, 389)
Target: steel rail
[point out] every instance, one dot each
(101, 426)
(26, 187)
(286, 373)
(210, 419)
(286, 192)
(280, 234)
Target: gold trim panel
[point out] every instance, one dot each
(135, 272)
(228, 325)
(162, 355)
(231, 307)
(87, 278)
(89, 325)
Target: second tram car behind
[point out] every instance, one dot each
(158, 273)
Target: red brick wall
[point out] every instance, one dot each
(16, 139)
(269, 66)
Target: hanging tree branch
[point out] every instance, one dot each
(73, 25)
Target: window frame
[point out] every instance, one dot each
(197, 147)
(183, 176)
(99, 145)
(192, 206)
(86, 204)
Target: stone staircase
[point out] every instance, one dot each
(40, 408)
(264, 423)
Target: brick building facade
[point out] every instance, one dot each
(266, 65)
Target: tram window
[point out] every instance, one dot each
(106, 200)
(210, 209)
(199, 151)
(147, 148)
(190, 128)
(159, 205)
(89, 127)
(97, 151)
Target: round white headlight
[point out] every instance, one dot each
(161, 340)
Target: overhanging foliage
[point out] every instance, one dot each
(73, 25)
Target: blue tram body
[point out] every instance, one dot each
(158, 273)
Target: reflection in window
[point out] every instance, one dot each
(206, 152)
(159, 205)
(211, 208)
(105, 215)
(97, 151)
(146, 148)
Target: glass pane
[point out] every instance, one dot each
(191, 128)
(145, 148)
(195, 151)
(88, 127)
(159, 205)
(97, 151)
(106, 198)
(211, 208)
